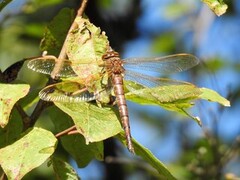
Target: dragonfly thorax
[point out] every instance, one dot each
(110, 54)
(114, 64)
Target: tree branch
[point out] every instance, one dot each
(62, 54)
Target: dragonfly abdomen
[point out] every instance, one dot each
(122, 106)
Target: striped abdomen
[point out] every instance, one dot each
(122, 106)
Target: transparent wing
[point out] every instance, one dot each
(45, 65)
(66, 91)
(149, 81)
(163, 65)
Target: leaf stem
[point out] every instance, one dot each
(66, 131)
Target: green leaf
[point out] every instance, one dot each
(93, 122)
(146, 154)
(218, 7)
(56, 31)
(75, 144)
(170, 97)
(213, 96)
(34, 30)
(27, 153)
(63, 170)
(82, 153)
(9, 95)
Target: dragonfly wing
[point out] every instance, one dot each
(45, 65)
(149, 81)
(66, 91)
(163, 65)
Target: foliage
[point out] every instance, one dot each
(94, 122)
(7, 101)
(27, 153)
(218, 7)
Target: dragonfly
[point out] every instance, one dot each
(114, 70)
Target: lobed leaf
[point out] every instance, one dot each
(27, 153)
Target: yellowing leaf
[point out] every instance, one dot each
(9, 95)
(27, 153)
(86, 43)
(85, 47)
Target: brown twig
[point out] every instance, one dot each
(25, 118)
(66, 131)
(41, 105)
(82, 8)
(73, 132)
(62, 54)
